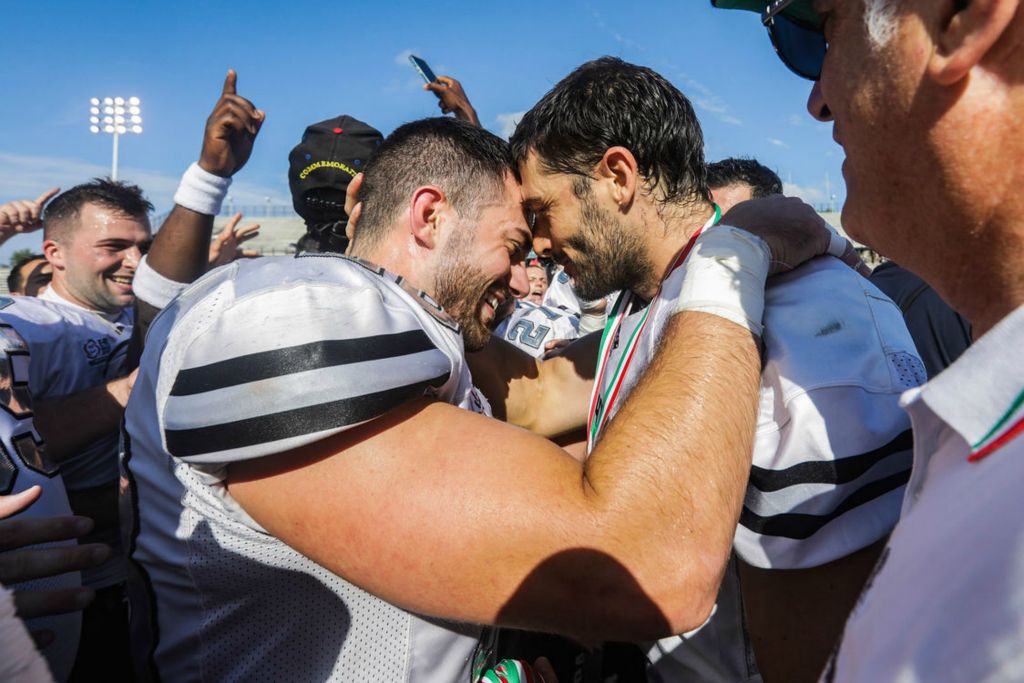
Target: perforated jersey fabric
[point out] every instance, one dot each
(253, 360)
(832, 450)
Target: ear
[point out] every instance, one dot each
(427, 207)
(54, 253)
(619, 171)
(967, 35)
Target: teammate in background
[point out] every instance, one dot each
(620, 200)
(31, 277)
(940, 334)
(732, 181)
(532, 326)
(537, 275)
(226, 245)
(576, 556)
(78, 333)
(925, 97)
(320, 169)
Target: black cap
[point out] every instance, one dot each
(320, 168)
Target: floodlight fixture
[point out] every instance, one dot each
(121, 115)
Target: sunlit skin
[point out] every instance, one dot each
(624, 241)
(729, 196)
(27, 269)
(94, 267)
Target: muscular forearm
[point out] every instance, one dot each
(674, 462)
(70, 423)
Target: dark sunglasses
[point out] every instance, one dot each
(800, 45)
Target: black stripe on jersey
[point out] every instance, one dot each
(800, 526)
(183, 443)
(839, 471)
(292, 359)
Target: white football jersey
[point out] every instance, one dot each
(531, 326)
(255, 359)
(560, 295)
(77, 349)
(833, 449)
(24, 464)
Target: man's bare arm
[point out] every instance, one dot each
(548, 397)
(452, 514)
(70, 423)
(181, 247)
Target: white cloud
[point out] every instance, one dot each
(402, 58)
(778, 143)
(507, 123)
(27, 176)
(707, 100)
(796, 120)
(811, 195)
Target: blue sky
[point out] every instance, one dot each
(307, 61)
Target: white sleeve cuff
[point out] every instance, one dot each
(201, 191)
(153, 288)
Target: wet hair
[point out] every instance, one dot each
(762, 181)
(17, 278)
(63, 211)
(609, 102)
(467, 163)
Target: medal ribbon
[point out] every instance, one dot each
(600, 405)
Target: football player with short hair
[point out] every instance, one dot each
(621, 199)
(320, 492)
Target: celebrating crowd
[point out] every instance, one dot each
(578, 406)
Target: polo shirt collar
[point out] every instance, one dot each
(981, 396)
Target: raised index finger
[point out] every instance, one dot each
(47, 196)
(230, 83)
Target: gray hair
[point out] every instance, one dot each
(880, 20)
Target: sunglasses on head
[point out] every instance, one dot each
(800, 45)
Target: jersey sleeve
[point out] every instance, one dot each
(833, 449)
(278, 370)
(153, 288)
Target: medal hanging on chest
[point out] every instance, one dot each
(601, 402)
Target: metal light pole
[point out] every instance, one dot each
(119, 117)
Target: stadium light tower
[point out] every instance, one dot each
(116, 116)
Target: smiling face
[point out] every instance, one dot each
(591, 242)
(94, 265)
(481, 268)
(538, 279)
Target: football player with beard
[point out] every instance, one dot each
(319, 490)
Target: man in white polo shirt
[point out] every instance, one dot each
(925, 98)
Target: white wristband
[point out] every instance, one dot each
(725, 276)
(201, 191)
(153, 288)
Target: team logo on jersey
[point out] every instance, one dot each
(97, 350)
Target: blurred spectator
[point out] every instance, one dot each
(226, 245)
(31, 277)
(733, 180)
(320, 169)
(537, 274)
(940, 333)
